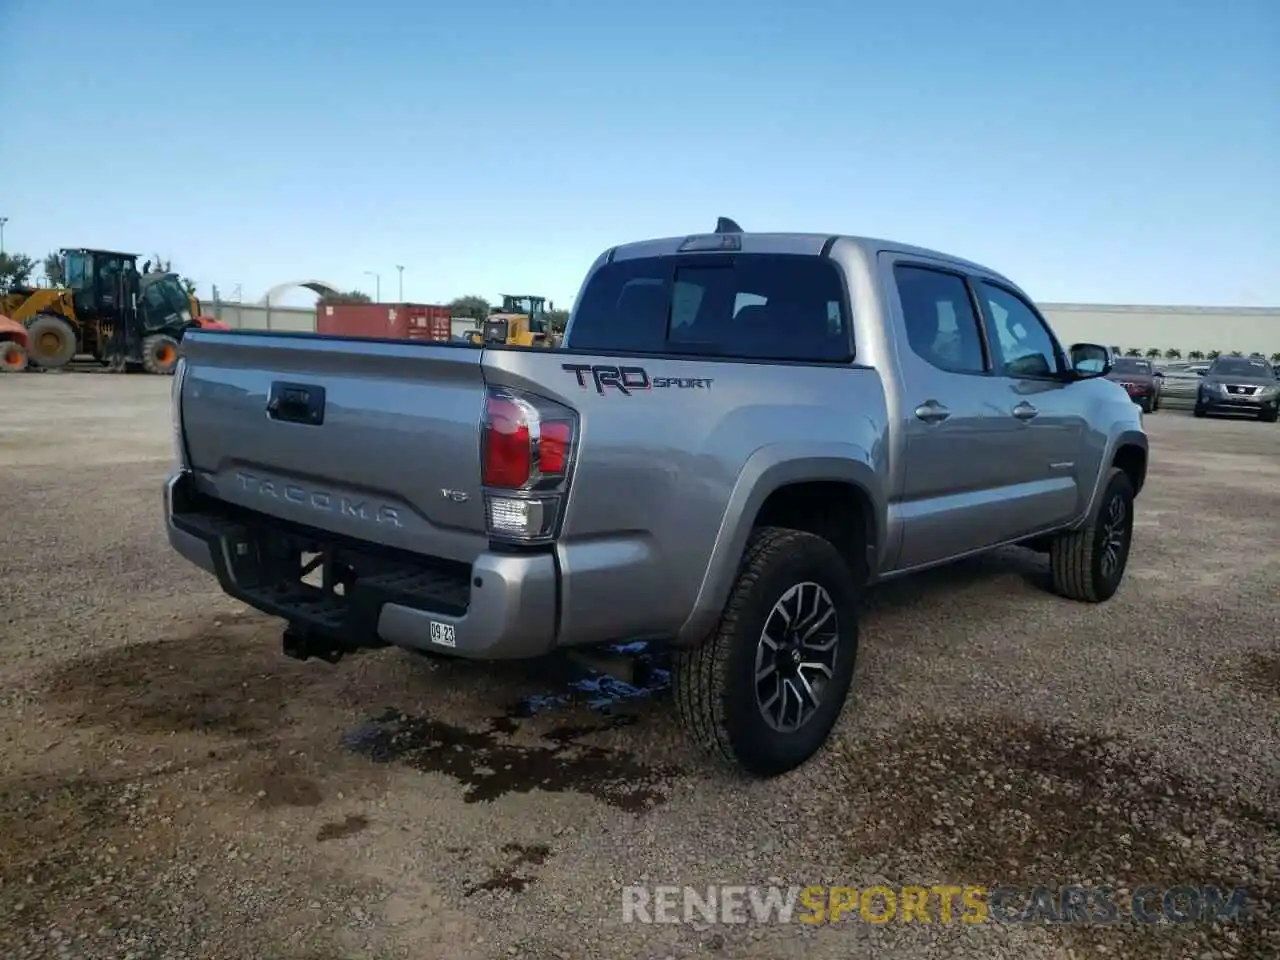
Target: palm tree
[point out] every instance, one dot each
(1213, 354)
(1173, 353)
(1153, 352)
(1236, 353)
(1195, 354)
(1133, 352)
(1275, 357)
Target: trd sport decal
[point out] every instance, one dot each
(627, 379)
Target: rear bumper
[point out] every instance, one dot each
(504, 606)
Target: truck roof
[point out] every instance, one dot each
(796, 243)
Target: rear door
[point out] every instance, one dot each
(961, 476)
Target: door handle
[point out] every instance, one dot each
(1025, 411)
(931, 411)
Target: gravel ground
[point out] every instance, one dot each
(171, 786)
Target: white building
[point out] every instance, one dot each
(1226, 329)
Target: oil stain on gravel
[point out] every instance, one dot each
(1262, 673)
(489, 767)
(348, 826)
(995, 801)
(278, 782)
(511, 877)
(58, 841)
(224, 681)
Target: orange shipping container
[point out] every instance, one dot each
(384, 321)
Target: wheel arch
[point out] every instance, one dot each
(817, 487)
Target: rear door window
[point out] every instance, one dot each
(942, 328)
(748, 306)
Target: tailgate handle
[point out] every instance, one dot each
(296, 403)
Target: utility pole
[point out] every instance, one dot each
(377, 286)
(3, 221)
(400, 268)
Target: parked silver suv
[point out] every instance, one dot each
(1239, 385)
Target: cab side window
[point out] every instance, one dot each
(1022, 344)
(942, 328)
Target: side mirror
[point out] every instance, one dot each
(1090, 360)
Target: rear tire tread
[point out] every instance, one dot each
(702, 676)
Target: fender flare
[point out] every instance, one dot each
(770, 468)
(1125, 436)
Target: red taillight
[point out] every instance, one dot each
(508, 456)
(553, 447)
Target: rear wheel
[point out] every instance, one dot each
(159, 353)
(51, 341)
(765, 689)
(13, 357)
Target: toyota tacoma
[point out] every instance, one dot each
(742, 432)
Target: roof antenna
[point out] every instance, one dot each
(725, 225)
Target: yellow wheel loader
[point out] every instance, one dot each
(107, 310)
(521, 321)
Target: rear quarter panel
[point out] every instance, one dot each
(668, 478)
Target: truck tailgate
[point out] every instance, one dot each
(374, 440)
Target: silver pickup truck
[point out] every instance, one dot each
(741, 433)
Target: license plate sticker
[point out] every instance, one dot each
(442, 634)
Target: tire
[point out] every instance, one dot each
(51, 341)
(159, 354)
(1078, 560)
(1199, 411)
(716, 687)
(13, 357)
(1148, 406)
(1269, 416)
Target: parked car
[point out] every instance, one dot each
(1240, 385)
(1181, 384)
(742, 432)
(1140, 379)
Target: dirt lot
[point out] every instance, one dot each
(170, 786)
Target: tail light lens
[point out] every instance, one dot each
(175, 407)
(527, 447)
(508, 450)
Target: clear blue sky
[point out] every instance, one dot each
(1095, 151)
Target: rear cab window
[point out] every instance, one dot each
(786, 307)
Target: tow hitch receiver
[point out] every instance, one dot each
(303, 643)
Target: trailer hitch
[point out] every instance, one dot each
(303, 643)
